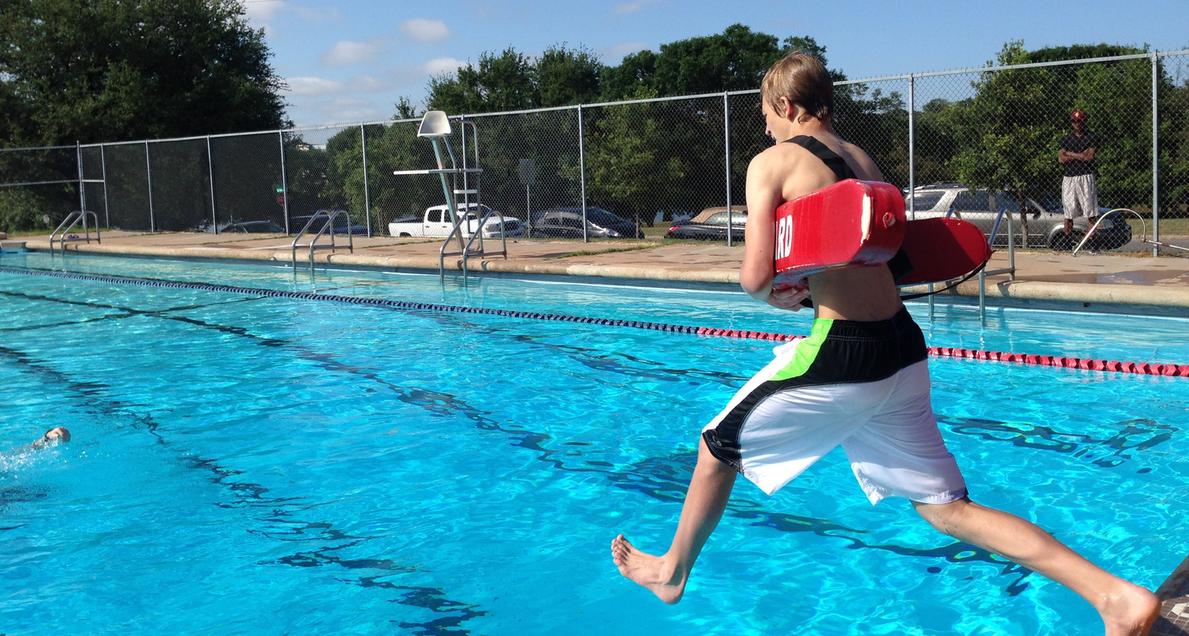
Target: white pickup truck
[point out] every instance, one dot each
(436, 223)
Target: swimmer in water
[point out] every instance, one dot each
(53, 437)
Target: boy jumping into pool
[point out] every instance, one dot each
(860, 380)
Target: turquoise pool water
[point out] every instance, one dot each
(245, 464)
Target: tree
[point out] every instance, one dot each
(629, 165)
(405, 109)
(736, 59)
(108, 70)
(1174, 153)
(733, 60)
(1007, 134)
(567, 76)
(637, 70)
(511, 80)
(500, 82)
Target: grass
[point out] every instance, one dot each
(657, 231)
(1168, 227)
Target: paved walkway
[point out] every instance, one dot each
(1097, 281)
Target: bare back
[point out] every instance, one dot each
(786, 171)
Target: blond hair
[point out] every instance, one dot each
(803, 80)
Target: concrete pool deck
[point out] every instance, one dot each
(1098, 282)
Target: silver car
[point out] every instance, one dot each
(1045, 227)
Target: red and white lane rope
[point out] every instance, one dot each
(1064, 362)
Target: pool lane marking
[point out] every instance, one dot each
(1065, 362)
(249, 494)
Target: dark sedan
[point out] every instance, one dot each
(714, 228)
(340, 224)
(252, 227)
(567, 222)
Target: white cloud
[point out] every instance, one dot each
(633, 7)
(424, 30)
(347, 52)
(306, 85)
(440, 65)
(351, 110)
(317, 15)
(261, 11)
(369, 84)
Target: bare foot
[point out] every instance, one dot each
(654, 574)
(1129, 612)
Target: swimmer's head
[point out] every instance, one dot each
(56, 435)
(803, 80)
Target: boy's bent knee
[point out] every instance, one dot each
(710, 461)
(944, 517)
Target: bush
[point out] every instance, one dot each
(20, 210)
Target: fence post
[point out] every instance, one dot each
(103, 169)
(1155, 155)
(149, 175)
(82, 192)
(726, 140)
(912, 174)
(210, 171)
(367, 204)
(284, 183)
(582, 174)
(912, 179)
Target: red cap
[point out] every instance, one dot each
(1077, 115)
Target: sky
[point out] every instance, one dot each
(350, 61)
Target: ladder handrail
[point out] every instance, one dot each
(73, 219)
(329, 225)
(478, 233)
(1010, 270)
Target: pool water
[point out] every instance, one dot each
(251, 464)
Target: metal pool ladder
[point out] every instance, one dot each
(435, 126)
(62, 234)
(1010, 270)
(327, 230)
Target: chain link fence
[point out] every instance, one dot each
(1173, 142)
(532, 169)
(980, 144)
(36, 180)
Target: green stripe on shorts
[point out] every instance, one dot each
(807, 351)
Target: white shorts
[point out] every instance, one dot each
(861, 385)
(1079, 196)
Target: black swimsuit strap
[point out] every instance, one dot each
(823, 152)
(899, 264)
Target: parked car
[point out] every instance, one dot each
(435, 222)
(713, 227)
(511, 227)
(706, 213)
(566, 222)
(1044, 226)
(340, 225)
(253, 227)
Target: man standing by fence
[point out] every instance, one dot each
(1079, 192)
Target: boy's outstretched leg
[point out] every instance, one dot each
(1126, 609)
(666, 575)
